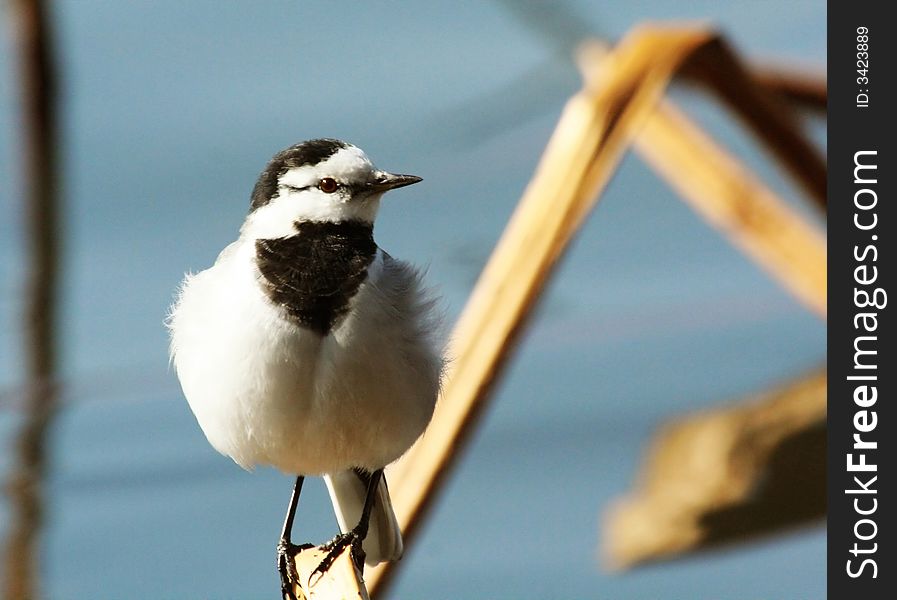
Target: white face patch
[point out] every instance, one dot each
(299, 199)
(347, 165)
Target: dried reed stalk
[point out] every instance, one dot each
(799, 87)
(726, 475)
(730, 198)
(770, 119)
(342, 581)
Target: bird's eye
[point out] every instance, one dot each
(328, 185)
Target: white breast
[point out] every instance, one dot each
(266, 391)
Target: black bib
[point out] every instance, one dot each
(314, 274)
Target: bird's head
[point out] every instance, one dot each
(318, 180)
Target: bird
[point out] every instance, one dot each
(307, 347)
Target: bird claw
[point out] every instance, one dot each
(286, 566)
(334, 548)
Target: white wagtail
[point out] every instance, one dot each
(307, 347)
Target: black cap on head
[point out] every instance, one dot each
(310, 152)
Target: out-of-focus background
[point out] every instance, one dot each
(169, 112)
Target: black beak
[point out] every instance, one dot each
(390, 181)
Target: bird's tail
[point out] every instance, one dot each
(347, 492)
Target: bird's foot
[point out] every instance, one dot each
(335, 547)
(286, 566)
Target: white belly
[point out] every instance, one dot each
(266, 391)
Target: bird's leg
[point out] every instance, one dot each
(354, 536)
(286, 549)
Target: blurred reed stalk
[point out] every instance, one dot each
(801, 88)
(41, 199)
(752, 467)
